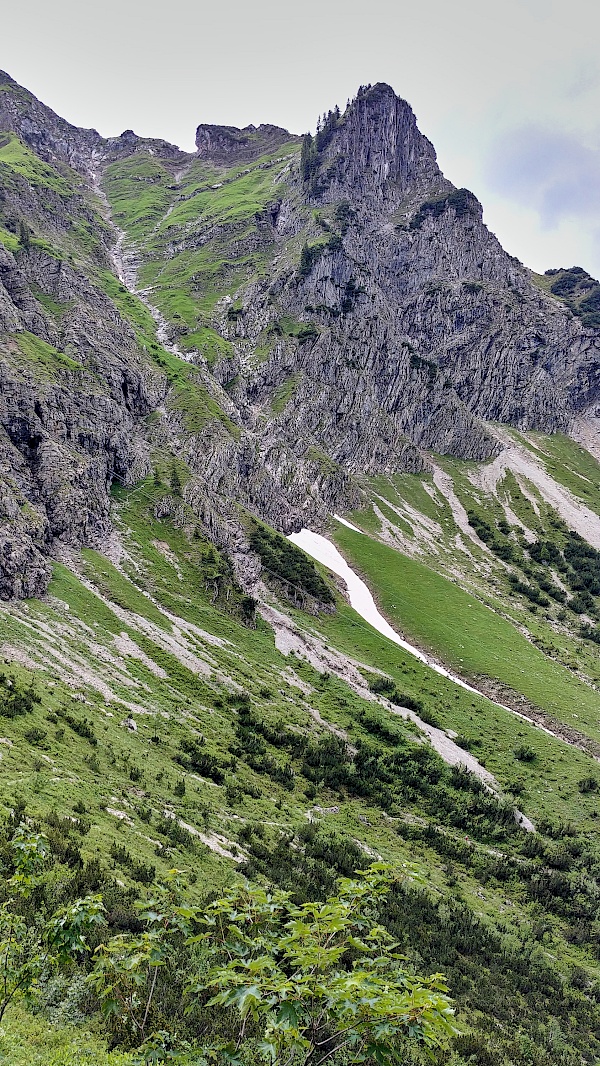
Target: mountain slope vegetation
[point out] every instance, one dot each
(200, 353)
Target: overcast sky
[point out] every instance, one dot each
(509, 92)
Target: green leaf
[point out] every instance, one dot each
(287, 1016)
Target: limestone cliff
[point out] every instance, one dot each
(423, 324)
(322, 309)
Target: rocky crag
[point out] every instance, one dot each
(327, 308)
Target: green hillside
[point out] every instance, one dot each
(468, 634)
(232, 764)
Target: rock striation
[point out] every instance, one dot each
(332, 308)
(71, 397)
(425, 326)
(228, 144)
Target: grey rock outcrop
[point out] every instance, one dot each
(71, 396)
(423, 326)
(228, 144)
(375, 153)
(51, 137)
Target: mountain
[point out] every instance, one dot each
(200, 353)
(342, 308)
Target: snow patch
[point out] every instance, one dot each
(344, 522)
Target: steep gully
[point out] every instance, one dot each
(124, 259)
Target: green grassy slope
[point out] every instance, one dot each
(443, 618)
(158, 638)
(167, 728)
(19, 158)
(200, 238)
(545, 787)
(27, 1040)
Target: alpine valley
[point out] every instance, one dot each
(208, 363)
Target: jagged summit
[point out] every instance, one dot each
(228, 144)
(375, 141)
(374, 144)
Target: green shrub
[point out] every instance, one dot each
(524, 753)
(588, 784)
(285, 561)
(36, 736)
(81, 726)
(383, 686)
(14, 698)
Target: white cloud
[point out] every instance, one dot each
(550, 170)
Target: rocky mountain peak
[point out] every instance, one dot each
(128, 143)
(342, 314)
(375, 148)
(228, 144)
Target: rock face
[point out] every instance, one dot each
(375, 152)
(341, 309)
(227, 144)
(425, 325)
(52, 138)
(411, 327)
(70, 401)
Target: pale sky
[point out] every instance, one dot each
(509, 92)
